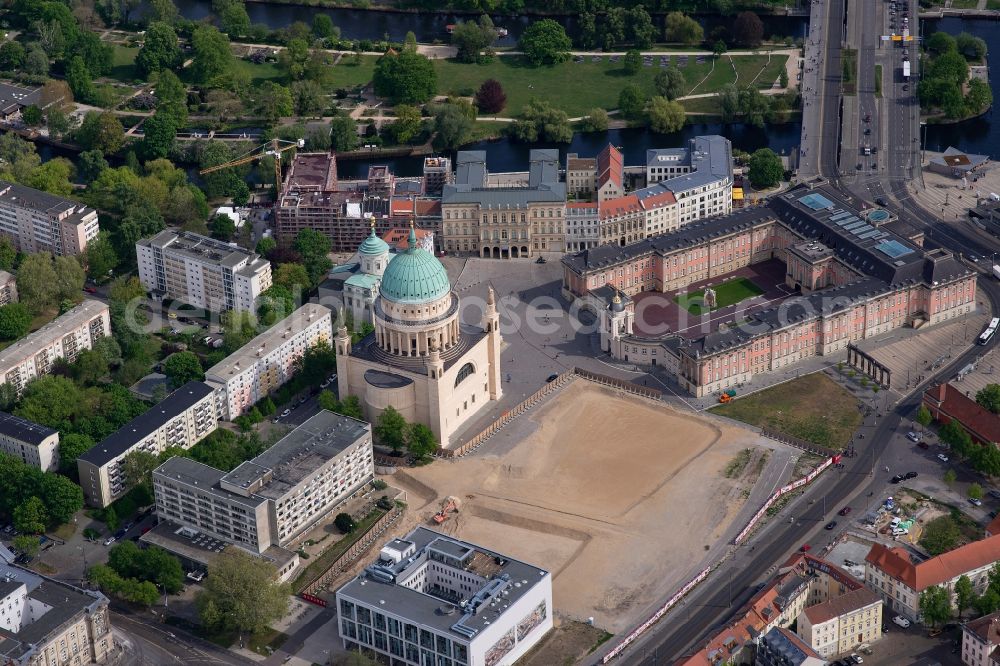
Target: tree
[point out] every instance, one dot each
(924, 416)
(405, 78)
(26, 544)
(491, 98)
(53, 176)
(181, 368)
(632, 62)
(36, 281)
(596, 121)
(670, 82)
(540, 121)
(160, 132)
(292, 275)
(30, 516)
(212, 57)
(470, 38)
(979, 97)
(70, 278)
(421, 441)
(273, 101)
(61, 498)
(719, 48)
(101, 131)
(137, 467)
(32, 116)
(79, 80)
(72, 446)
(408, 123)
(8, 253)
(545, 43)
(640, 27)
(391, 429)
(631, 101)
(160, 49)
(950, 477)
(90, 164)
(265, 246)
(665, 116)
(965, 593)
(351, 406)
(308, 98)
(15, 320)
(935, 605)
(941, 42)
(313, 247)
(164, 11)
(766, 169)
(100, 256)
(343, 133)
(322, 26)
(975, 491)
(950, 66)
(240, 592)
(956, 436)
(748, 30)
(451, 126)
(233, 18)
(970, 46)
(940, 535)
(36, 61)
(683, 29)
(344, 523)
(11, 56)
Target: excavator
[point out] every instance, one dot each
(449, 505)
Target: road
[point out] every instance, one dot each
(149, 643)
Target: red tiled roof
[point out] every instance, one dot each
(665, 198)
(978, 420)
(619, 206)
(896, 563)
(418, 207)
(987, 628)
(609, 166)
(994, 527)
(581, 204)
(399, 236)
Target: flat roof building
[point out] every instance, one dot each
(64, 337)
(431, 598)
(268, 361)
(272, 500)
(182, 419)
(37, 221)
(44, 621)
(29, 442)
(201, 271)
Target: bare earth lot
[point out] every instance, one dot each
(606, 491)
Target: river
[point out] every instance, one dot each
(979, 135)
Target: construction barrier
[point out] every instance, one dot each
(704, 574)
(351, 555)
(620, 384)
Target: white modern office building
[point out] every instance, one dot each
(202, 271)
(37, 221)
(63, 337)
(267, 503)
(268, 361)
(29, 442)
(182, 419)
(433, 599)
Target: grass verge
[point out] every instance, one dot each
(813, 408)
(849, 62)
(329, 556)
(738, 463)
(726, 294)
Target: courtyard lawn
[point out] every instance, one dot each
(603, 81)
(123, 64)
(814, 408)
(726, 294)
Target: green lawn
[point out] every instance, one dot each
(703, 105)
(726, 294)
(813, 408)
(964, 4)
(347, 74)
(992, 4)
(123, 64)
(564, 84)
(265, 71)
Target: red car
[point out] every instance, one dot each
(145, 529)
(805, 548)
(846, 510)
(90, 290)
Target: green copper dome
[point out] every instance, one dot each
(373, 245)
(414, 276)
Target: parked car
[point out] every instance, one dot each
(551, 378)
(912, 436)
(856, 658)
(120, 533)
(324, 383)
(110, 540)
(942, 457)
(286, 413)
(207, 339)
(90, 290)
(846, 510)
(830, 525)
(995, 494)
(145, 529)
(975, 502)
(901, 621)
(910, 475)
(896, 479)
(805, 548)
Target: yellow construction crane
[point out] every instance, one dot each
(272, 148)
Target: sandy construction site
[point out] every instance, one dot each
(618, 496)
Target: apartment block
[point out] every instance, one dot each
(267, 503)
(182, 419)
(63, 337)
(980, 640)
(899, 580)
(37, 221)
(8, 288)
(267, 361)
(506, 221)
(29, 442)
(842, 623)
(437, 174)
(46, 622)
(202, 271)
(433, 599)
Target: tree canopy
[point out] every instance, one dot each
(766, 169)
(405, 78)
(545, 43)
(240, 592)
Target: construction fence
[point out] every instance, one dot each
(620, 384)
(802, 444)
(691, 584)
(351, 555)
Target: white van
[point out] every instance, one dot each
(894, 523)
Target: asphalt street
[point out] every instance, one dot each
(148, 643)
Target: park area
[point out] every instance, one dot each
(601, 78)
(814, 408)
(728, 293)
(603, 489)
